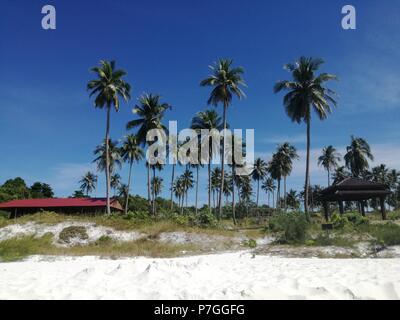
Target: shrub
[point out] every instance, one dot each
(137, 215)
(205, 219)
(356, 219)
(292, 227)
(395, 215)
(251, 243)
(339, 221)
(387, 234)
(73, 232)
(103, 240)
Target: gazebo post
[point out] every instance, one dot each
(362, 206)
(341, 207)
(383, 209)
(326, 210)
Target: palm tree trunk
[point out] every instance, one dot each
(172, 185)
(307, 182)
(273, 198)
(233, 194)
(108, 161)
(222, 164)
(148, 183)
(284, 192)
(197, 185)
(258, 190)
(154, 190)
(278, 195)
(129, 186)
(329, 178)
(209, 185)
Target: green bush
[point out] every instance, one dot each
(251, 243)
(137, 215)
(205, 219)
(339, 221)
(292, 227)
(387, 234)
(395, 215)
(71, 232)
(356, 219)
(4, 214)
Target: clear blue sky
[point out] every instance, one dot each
(49, 126)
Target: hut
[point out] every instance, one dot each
(60, 205)
(354, 189)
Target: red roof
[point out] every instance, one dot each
(60, 202)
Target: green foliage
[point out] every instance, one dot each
(251, 243)
(69, 233)
(339, 221)
(291, 227)
(387, 233)
(356, 219)
(137, 215)
(395, 215)
(205, 219)
(348, 220)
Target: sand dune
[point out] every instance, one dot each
(237, 275)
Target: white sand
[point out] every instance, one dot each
(220, 276)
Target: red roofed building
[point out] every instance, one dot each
(59, 205)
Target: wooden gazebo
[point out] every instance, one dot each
(354, 189)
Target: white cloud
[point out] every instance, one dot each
(300, 138)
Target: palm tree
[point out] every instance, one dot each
(208, 120)
(88, 183)
(130, 152)
(329, 160)
(260, 170)
(286, 153)
(187, 182)
(358, 153)
(108, 88)
(226, 82)
(275, 171)
(305, 92)
(179, 191)
(156, 187)
(150, 112)
(114, 157)
(115, 182)
(216, 184)
(154, 167)
(293, 199)
(269, 187)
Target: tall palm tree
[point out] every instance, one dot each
(329, 160)
(156, 186)
(114, 157)
(88, 183)
(306, 91)
(209, 120)
(293, 199)
(109, 87)
(358, 153)
(275, 171)
(226, 82)
(150, 112)
(155, 167)
(260, 170)
(115, 182)
(340, 174)
(216, 184)
(179, 191)
(286, 153)
(130, 152)
(269, 187)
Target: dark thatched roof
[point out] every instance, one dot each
(354, 189)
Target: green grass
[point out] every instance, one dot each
(19, 248)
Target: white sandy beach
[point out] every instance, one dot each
(237, 275)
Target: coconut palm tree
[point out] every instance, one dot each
(156, 187)
(88, 183)
(358, 153)
(150, 112)
(329, 160)
(260, 170)
(286, 153)
(154, 167)
(109, 87)
(306, 91)
(115, 182)
(340, 174)
(114, 157)
(179, 191)
(293, 199)
(269, 187)
(216, 185)
(208, 120)
(130, 152)
(226, 82)
(187, 182)
(275, 171)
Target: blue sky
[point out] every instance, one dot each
(50, 128)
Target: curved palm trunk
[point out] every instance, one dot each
(233, 194)
(129, 187)
(307, 182)
(108, 161)
(197, 185)
(222, 164)
(172, 185)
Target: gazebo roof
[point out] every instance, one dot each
(354, 189)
